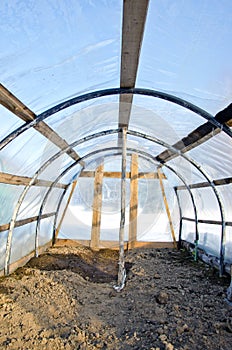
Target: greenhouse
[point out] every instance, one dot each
(116, 135)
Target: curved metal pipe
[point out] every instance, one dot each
(109, 92)
(181, 219)
(132, 150)
(210, 181)
(104, 133)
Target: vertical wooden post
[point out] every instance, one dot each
(97, 205)
(121, 263)
(64, 212)
(133, 200)
(167, 208)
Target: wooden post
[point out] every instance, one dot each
(167, 208)
(64, 212)
(133, 200)
(97, 205)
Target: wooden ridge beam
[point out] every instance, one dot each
(220, 182)
(24, 181)
(22, 222)
(203, 133)
(134, 18)
(14, 105)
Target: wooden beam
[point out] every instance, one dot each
(133, 199)
(14, 105)
(134, 18)
(167, 209)
(97, 205)
(24, 221)
(117, 174)
(24, 181)
(198, 136)
(220, 182)
(65, 210)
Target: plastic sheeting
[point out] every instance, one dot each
(52, 51)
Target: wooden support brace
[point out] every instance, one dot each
(64, 212)
(133, 200)
(97, 205)
(167, 208)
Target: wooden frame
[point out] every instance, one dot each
(198, 136)
(25, 180)
(97, 205)
(22, 222)
(14, 105)
(133, 199)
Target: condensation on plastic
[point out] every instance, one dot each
(77, 222)
(31, 203)
(52, 200)
(46, 230)
(206, 203)
(228, 246)
(3, 240)
(186, 204)
(60, 49)
(162, 119)
(23, 241)
(9, 195)
(215, 155)
(180, 40)
(24, 155)
(8, 121)
(153, 223)
(226, 196)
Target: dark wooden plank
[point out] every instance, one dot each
(198, 136)
(220, 182)
(14, 105)
(24, 181)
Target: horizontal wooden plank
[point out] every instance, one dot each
(220, 182)
(24, 181)
(25, 221)
(117, 175)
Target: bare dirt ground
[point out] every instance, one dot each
(65, 300)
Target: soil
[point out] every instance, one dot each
(65, 300)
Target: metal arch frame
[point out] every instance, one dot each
(148, 156)
(150, 138)
(210, 181)
(142, 154)
(33, 179)
(181, 218)
(115, 91)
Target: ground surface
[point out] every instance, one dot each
(65, 300)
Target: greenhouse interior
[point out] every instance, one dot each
(116, 129)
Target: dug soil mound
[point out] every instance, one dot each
(65, 300)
